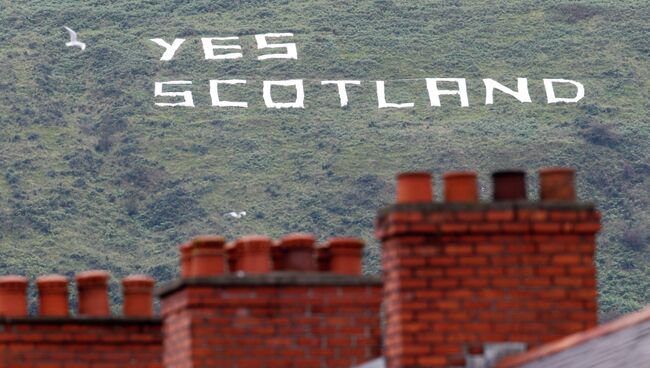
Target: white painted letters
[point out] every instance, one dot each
(550, 92)
(209, 47)
(187, 95)
(224, 48)
(343, 95)
(300, 94)
(521, 94)
(262, 43)
(381, 98)
(435, 93)
(214, 93)
(170, 50)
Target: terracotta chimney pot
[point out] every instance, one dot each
(208, 256)
(346, 255)
(254, 253)
(186, 259)
(414, 187)
(53, 296)
(92, 288)
(138, 296)
(461, 187)
(295, 252)
(557, 184)
(13, 296)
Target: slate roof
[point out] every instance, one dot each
(622, 343)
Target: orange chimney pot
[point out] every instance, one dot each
(92, 288)
(13, 300)
(346, 255)
(414, 187)
(53, 296)
(253, 253)
(208, 256)
(557, 184)
(295, 252)
(138, 296)
(461, 187)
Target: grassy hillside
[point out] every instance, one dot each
(94, 175)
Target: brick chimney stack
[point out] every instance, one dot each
(274, 305)
(92, 338)
(461, 273)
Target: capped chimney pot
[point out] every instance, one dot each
(186, 259)
(345, 255)
(208, 256)
(509, 185)
(414, 187)
(253, 253)
(557, 184)
(92, 288)
(52, 295)
(295, 252)
(138, 296)
(461, 187)
(13, 296)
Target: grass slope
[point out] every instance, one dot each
(95, 176)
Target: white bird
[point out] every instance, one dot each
(73, 40)
(239, 214)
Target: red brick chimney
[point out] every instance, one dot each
(54, 338)
(461, 274)
(275, 310)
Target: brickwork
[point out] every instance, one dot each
(273, 320)
(54, 338)
(458, 275)
(80, 343)
(292, 316)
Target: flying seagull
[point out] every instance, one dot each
(73, 40)
(239, 214)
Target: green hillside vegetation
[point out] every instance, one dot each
(94, 175)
